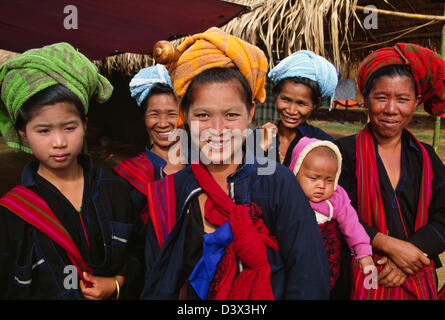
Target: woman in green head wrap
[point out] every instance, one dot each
(78, 216)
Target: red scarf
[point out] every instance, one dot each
(420, 286)
(33, 209)
(139, 172)
(250, 239)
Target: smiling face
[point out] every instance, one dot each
(160, 119)
(218, 110)
(55, 135)
(317, 174)
(391, 104)
(294, 104)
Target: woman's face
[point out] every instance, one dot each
(294, 104)
(160, 119)
(391, 104)
(217, 117)
(55, 135)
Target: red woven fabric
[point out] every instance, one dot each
(30, 207)
(139, 172)
(250, 238)
(420, 286)
(332, 240)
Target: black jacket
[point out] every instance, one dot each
(32, 265)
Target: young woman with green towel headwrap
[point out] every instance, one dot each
(64, 230)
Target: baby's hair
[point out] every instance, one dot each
(218, 75)
(323, 151)
(49, 96)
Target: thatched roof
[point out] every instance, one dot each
(335, 28)
(332, 28)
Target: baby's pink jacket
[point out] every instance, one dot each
(348, 223)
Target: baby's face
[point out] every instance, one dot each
(317, 176)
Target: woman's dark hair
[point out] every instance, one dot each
(158, 88)
(388, 71)
(49, 96)
(217, 75)
(311, 84)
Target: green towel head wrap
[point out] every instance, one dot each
(24, 75)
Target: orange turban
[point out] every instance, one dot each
(215, 48)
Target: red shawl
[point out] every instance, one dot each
(139, 172)
(427, 67)
(250, 239)
(420, 286)
(33, 209)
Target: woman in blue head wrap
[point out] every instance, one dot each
(301, 81)
(153, 91)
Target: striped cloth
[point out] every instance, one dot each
(162, 207)
(419, 286)
(34, 210)
(139, 172)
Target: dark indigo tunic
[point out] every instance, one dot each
(32, 265)
(431, 237)
(303, 130)
(300, 269)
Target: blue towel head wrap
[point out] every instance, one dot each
(145, 79)
(306, 64)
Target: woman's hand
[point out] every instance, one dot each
(103, 287)
(390, 275)
(269, 132)
(408, 257)
(404, 254)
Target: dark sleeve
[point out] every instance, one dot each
(348, 179)
(151, 247)
(132, 266)
(11, 234)
(310, 131)
(431, 237)
(6, 250)
(151, 251)
(300, 242)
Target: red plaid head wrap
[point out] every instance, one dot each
(427, 67)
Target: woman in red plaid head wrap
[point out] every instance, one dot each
(396, 182)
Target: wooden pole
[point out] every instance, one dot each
(436, 135)
(402, 14)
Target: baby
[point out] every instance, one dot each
(317, 166)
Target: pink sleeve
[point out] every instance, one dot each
(349, 225)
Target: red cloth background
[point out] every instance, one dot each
(106, 27)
